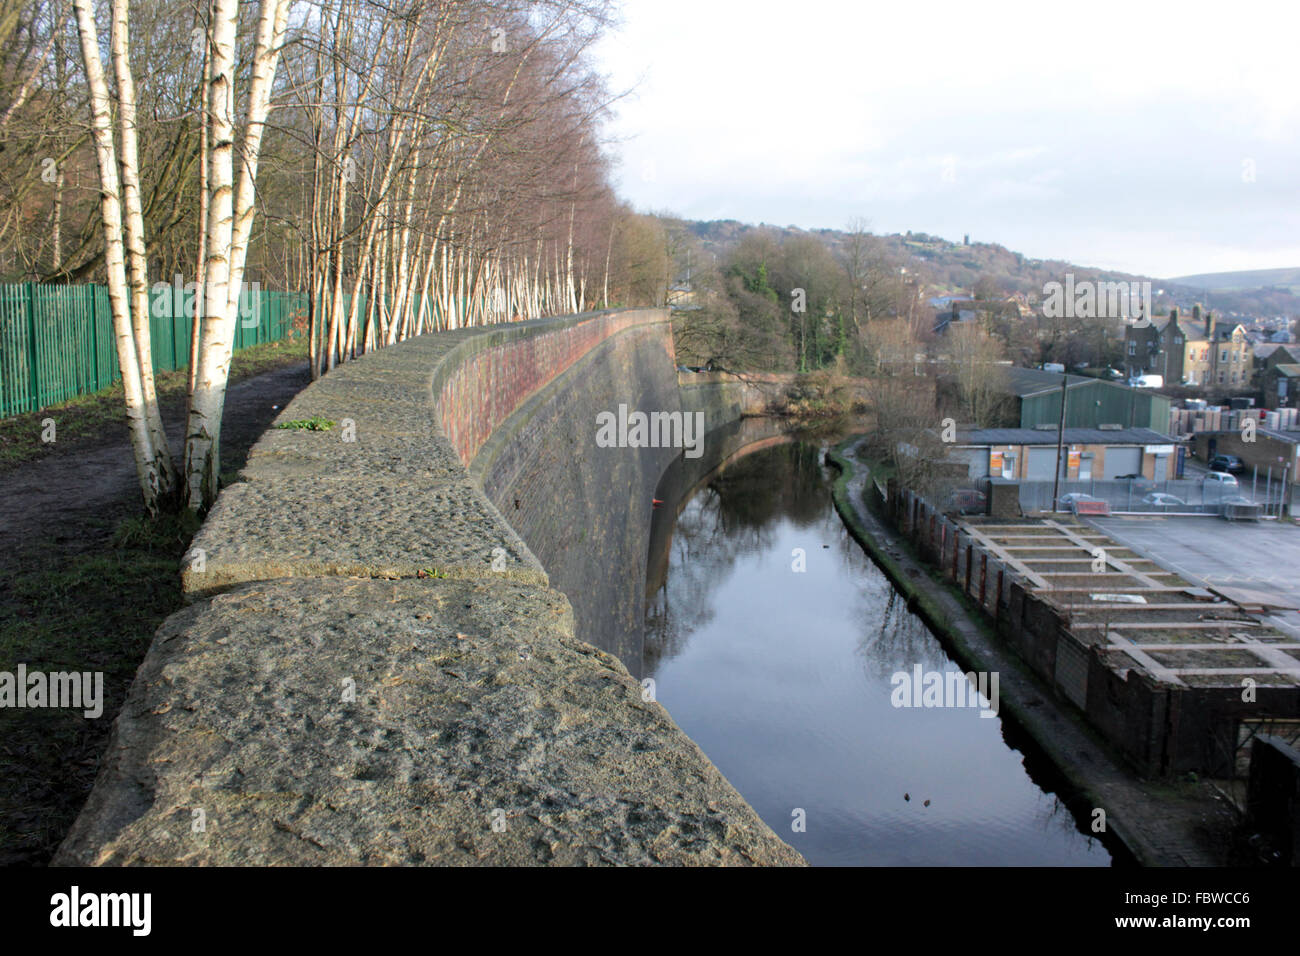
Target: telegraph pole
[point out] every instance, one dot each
(1060, 446)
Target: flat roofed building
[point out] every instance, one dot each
(1030, 454)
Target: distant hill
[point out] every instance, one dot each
(955, 267)
(1254, 279)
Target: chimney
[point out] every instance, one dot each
(1209, 326)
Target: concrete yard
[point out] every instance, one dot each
(1210, 551)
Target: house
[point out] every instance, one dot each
(1281, 384)
(1199, 351)
(1275, 353)
(681, 295)
(968, 310)
(1030, 454)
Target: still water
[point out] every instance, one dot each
(783, 677)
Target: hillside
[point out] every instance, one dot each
(955, 267)
(1288, 279)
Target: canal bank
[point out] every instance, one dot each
(1160, 824)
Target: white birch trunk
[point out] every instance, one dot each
(146, 466)
(129, 163)
(203, 429)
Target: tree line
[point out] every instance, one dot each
(414, 166)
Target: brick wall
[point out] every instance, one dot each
(500, 371)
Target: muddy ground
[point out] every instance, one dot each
(84, 582)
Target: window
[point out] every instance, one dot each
(1132, 348)
(1223, 355)
(1221, 374)
(1178, 340)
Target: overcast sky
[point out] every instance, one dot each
(1156, 138)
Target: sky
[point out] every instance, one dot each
(1161, 139)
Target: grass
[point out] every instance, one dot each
(61, 611)
(99, 416)
(317, 423)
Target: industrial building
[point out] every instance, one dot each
(1089, 403)
(1030, 454)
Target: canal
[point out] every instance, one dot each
(774, 642)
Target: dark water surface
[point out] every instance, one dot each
(784, 679)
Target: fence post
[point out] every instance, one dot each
(984, 578)
(33, 353)
(92, 319)
(970, 548)
(176, 310)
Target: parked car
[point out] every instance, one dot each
(1071, 501)
(1162, 500)
(967, 501)
(1138, 483)
(1228, 463)
(1218, 484)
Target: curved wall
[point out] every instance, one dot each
(375, 667)
(583, 509)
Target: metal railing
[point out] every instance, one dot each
(56, 341)
(1173, 496)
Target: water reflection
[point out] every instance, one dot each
(772, 640)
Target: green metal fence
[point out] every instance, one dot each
(56, 342)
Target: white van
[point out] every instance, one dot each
(1147, 381)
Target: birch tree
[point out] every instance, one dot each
(138, 278)
(154, 468)
(229, 221)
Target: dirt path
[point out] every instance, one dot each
(77, 595)
(51, 499)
